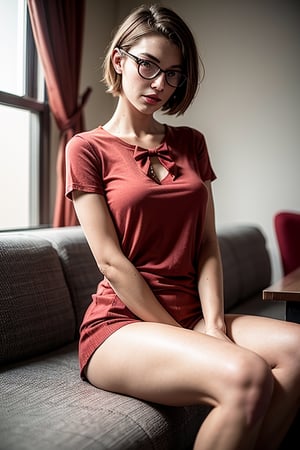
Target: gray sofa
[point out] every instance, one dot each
(47, 277)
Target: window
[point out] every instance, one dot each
(24, 123)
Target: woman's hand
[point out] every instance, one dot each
(218, 333)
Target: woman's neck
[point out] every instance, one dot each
(135, 128)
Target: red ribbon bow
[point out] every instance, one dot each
(142, 157)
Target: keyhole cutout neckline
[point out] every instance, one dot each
(156, 170)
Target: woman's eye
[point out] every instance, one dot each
(171, 74)
(146, 64)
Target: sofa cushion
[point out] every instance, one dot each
(79, 266)
(36, 313)
(45, 405)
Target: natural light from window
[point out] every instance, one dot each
(12, 48)
(14, 168)
(19, 131)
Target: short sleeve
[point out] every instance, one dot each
(83, 167)
(204, 165)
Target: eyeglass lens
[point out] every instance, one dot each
(149, 70)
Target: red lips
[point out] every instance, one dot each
(152, 99)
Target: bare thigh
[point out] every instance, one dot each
(276, 341)
(166, 364)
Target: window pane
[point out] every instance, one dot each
(18, 173)
(12, 46)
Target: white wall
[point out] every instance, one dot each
(248, 105)
(100, 18)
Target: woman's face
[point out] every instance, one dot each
(148, 96)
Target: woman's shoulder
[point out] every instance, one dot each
(94, 140)
(186, 137)
(184, 132)
(89, 135)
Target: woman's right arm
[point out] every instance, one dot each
(124, 278)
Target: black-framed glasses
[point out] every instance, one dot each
(149, 70)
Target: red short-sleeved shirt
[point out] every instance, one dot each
(159, 224)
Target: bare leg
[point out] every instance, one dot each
(278, 343)
(173, 366)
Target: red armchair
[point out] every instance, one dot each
(287, 229)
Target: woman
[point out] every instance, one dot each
(142, 191)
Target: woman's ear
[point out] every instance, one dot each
(116, 58)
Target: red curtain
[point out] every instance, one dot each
(58, 32)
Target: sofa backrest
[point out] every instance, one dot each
(47, 278)
(36, 313)
(79, 266)
(246, 262)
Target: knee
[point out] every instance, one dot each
(252, 387)
(293, 344)
(289, 354)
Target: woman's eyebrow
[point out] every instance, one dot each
(148, 55)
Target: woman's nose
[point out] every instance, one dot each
(159, 82)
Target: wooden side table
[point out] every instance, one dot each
(287, 289)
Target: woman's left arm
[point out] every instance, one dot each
(210, 275)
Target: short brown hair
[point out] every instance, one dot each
(157, 19)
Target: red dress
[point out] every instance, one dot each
(159, 225)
